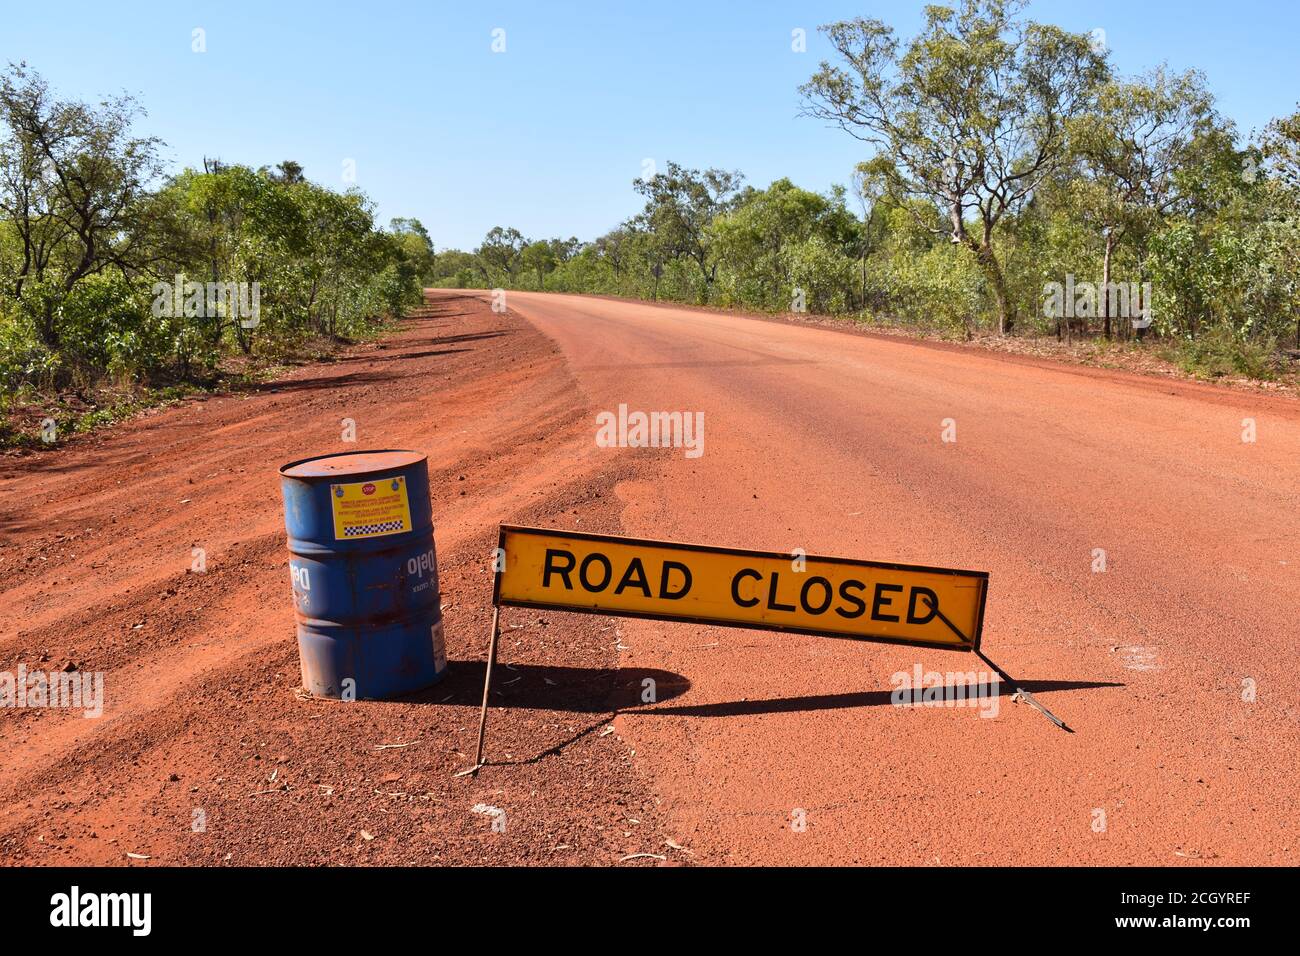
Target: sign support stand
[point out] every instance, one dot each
(487, 687)
(971, 602)
(1023, 694)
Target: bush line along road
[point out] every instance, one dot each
(816, 439)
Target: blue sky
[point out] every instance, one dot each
(549, 135)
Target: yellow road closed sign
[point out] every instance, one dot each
(835, 597)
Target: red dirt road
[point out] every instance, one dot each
(204, 752)
(831, 442)
(764, 747)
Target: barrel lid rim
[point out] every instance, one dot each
(294, 468)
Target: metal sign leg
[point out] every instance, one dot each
(487, 686)
(1023, 694)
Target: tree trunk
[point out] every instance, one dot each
(709, 277)
(1105, 284)
(992, 269)
(45, 328)
(863, 303)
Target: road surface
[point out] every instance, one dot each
(1143, 568)
(786, 748)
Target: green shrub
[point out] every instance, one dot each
(1221, 352)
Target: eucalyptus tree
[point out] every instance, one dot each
(1132, 145)
(1280, 148)
(539, 258)
(501, 252)
(754, 242)
(73, 181)
(416, 246)
(680, 206)
(970, 115)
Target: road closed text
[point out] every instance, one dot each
(838, 597)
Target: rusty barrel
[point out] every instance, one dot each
(364, 573)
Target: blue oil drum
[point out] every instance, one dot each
(364, 573)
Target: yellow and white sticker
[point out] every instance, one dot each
(370, 509)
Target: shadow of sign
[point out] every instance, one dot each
(870, 698)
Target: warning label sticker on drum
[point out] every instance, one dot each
(370, 509)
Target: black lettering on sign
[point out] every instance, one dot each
(932, 603)
(827, 593)
(634, 576)
(735, 587)
(595, 558)
(665, 579)
(859, 604)
(880, 601)
(816, 595)
(552, 556)
(772, 603)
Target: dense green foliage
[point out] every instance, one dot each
(97, 248)
(1008, 157)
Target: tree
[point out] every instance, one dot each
(680, 205)
(1132, 144)
(287, 173)
(416, 247)
(501, 250)
(342, 251)
(970, 116)
(869, 190)
(1280, 149)
(752, 239)
(72, 181)
(538, 258)
(455, 265)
